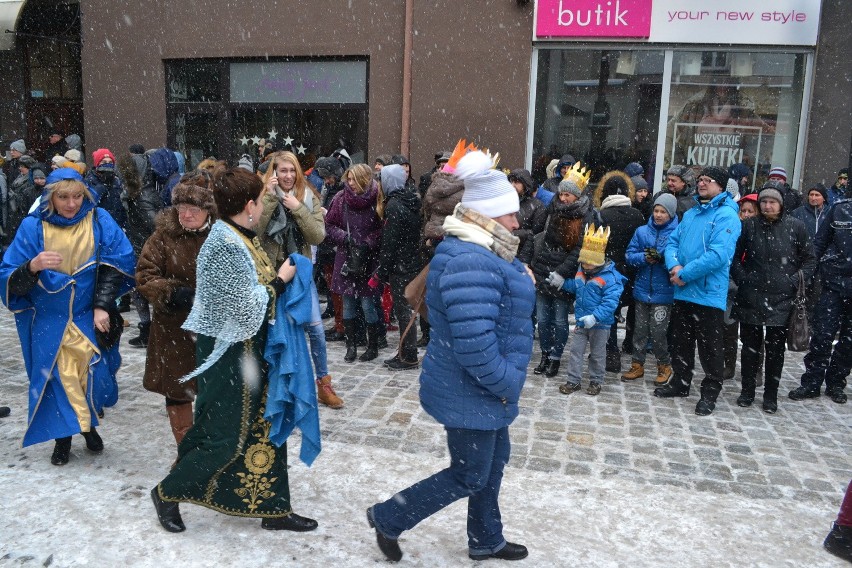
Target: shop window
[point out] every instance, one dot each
(730, 107)
(194, 82)
(601, 106)
(195, 135)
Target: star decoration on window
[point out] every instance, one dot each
(255, 140)
(244, 141)
(300, 149)
(272, 134)
(288, 141)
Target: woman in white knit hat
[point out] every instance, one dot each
(480, 299)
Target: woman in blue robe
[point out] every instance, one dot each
(60, 277)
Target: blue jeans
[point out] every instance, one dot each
(552, 316)
(316, 335)
(366, 303)
(477, 459)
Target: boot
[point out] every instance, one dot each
(542, 364)
(326, 394)
(180, 417)
(351, 349)
(142, 339)
(372, 343)
(705, 407)
(637, 371)
(329, 310)
(552, 368)
(746, 397)
(168, 513)
(673, 388)
(424, 332)
(93, 441)
(334, 335)
(61, 451)
(664, 373)
(613, 361)
(839, 542)
(770, 394)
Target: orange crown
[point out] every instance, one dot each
(459, 152)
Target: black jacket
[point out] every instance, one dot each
(400, 252)
(833, 248)
(141, 213)
(765, 268)
(109, 198)
(531, 216)
(623, 222)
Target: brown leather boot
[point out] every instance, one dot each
(180, 417)
(664, 373)
(326, 394)
(637, 371)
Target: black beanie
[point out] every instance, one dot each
(717, 174)
(821, 189)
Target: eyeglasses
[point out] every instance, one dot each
(706, 180)
(191, 209)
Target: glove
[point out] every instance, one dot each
(555, 280)
(182, 298)
(588, 321)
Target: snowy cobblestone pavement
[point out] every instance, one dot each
(619, 478)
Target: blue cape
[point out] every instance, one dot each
(291, 400)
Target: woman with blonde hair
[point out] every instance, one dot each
(354, 225)
(61, 276)
(292, 222)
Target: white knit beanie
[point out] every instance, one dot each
(486, 190)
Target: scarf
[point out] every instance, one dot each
(474, 227)
(616, 201)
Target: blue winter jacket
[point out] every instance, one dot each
(597, 294)
(480, 310)
(703, 244)
(652, 284)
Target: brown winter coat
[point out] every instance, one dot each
(441, 199)
(167, 262)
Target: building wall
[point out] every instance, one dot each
(830, 124)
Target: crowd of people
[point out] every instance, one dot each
(226, 267)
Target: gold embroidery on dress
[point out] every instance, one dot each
(258, 461)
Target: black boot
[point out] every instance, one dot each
(673, 388)
(61, 451)
(424, 333)
(291, 522)
(770, 394)
(168, 513)
(542, 364)
(383, 335)
(746, 397)
(839, 542)
(351, 349)
(613, 362)
(388, 546)
(552, 368)
(142, 339)
(334, 335)
(329, 310)
(93, 441)
(372, 343)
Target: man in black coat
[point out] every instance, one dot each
(531, 216)
(826, 361)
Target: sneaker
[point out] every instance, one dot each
(837, 395)
(594, 389)
(801, 393)
(569, 387)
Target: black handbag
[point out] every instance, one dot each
(107, 339)
(798, 329)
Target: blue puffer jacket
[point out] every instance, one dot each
(597, 294)
(652, 284)
(480, 310)
(703, 244)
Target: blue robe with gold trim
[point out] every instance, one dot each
(54, 311)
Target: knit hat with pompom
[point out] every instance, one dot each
(486, 190)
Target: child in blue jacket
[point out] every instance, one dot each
(597, 287)
(653, 291)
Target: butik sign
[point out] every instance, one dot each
(593, 18)
(738, 22)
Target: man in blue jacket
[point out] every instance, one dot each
(833, 250)
(698, 256)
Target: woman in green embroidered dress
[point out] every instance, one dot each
(226, 461)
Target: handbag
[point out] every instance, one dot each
(798, 329)
(107, 339)
(415, 292)
(356, 258)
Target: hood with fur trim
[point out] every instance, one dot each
(614, 178)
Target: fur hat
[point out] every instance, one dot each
(327, 167)
(99, 155)
(74, 155)
(668, 202)
(778, 171)
(194, 195)
(717, 174)
(684, 173)
(486, 190)
(18, 146)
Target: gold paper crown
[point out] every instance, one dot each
(578, 175)
(594, 245)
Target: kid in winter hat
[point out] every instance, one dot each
(486, 190)
(668, 202)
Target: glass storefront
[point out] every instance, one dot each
(603, 106)
(227, 108)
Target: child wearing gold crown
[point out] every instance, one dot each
(598, 287)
